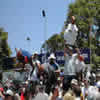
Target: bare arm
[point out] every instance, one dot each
(2, 95)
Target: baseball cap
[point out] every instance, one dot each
(52, 56)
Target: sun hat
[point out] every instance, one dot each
(52, 56)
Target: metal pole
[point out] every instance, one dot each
(45, 35)
(45, 31)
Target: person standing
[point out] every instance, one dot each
(35, 68)
(50, 68)
(69, 68)
(71, 32)
(80, 65)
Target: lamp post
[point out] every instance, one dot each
(45, 31)
(28, 40)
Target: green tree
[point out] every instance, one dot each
(85, 11)
(87, 14)
(54, 43)
(4, 48)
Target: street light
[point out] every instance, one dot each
(45, 30)
(28, 40)
(43, 13)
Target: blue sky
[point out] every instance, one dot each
(22, 19)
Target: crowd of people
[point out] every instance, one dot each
(48, 82)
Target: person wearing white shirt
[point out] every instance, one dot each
(89, 92)
(35, 68)
(69, 68)
(71, 32)
(80, 65)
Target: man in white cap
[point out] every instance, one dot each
(51, 67)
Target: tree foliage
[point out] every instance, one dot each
(87, 13)
(4, 47)
(54, 43)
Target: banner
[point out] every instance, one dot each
(85, 52)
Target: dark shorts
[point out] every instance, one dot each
(67, 81)
(51, 82)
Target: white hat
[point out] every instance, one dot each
(35, 53)
(52, 56)
(74, 81)
(9, 92)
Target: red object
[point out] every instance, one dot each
(26, 59)
(22, 96)
(1, 89)
(19, 54)
(81, 58)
